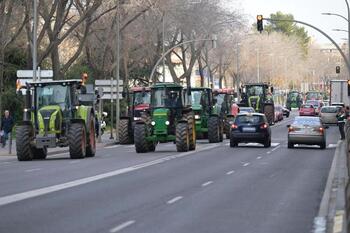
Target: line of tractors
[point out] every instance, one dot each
(62, 114)
(168, 112)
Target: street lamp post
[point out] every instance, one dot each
(35, 31)
(117, 110)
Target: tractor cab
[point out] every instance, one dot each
(224, 98)
(139, 101)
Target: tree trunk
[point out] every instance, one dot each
(55, 63)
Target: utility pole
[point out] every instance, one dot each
(237, 71)
(117, 110)
(35, 31)
(348, 7)
(163, 46)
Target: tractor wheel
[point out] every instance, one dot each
(77, 141)
(141, 144)
(39, 153)
(192, 132)
(228, 121)
(214, 129)
(182, 137)
(24, 136)
(125, 134)
(91, 146)
(269, 112)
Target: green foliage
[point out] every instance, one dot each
(288, 28)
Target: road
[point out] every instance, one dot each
(216, 189)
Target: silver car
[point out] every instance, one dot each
(307, 131)
(328, 114)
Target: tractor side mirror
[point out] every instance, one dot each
(288, 126)
(272, 90)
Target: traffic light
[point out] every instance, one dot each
(348, 87)
(259, 23)
(337, 69)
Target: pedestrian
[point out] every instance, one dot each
(7, 123)
(341, 116)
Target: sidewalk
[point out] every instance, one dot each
(5, 152)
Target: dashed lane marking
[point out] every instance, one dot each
(207, 183)
(175, 199)
(122, 226)
(246, 164)
(33, 170)
(112, 147)
(259, 157)
(230, 172)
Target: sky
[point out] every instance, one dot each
(304, 10)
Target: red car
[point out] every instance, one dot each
(307, 110)
(278, 113)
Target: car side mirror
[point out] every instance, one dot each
(288, 126)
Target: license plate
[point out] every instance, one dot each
(248, 129)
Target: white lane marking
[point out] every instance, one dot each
(259, 157)
(75, 161)
(227, 144)
(111, 147)
(276, 148)
(332, 145)
(50, 189)
(230, 172)
(269, 152)
(274, 144)
(122, 226)
(207, 183)
(58, 155)
(131, 146)
(175, 199)
(246, 164)
(33, 170)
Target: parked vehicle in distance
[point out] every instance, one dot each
(250, 127)
(246, 110)
(307, 110)
(286, 112)
(307, 131)
(278, 113)
(317, 104)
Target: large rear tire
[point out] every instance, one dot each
(141, 144)
(269, 111)
(214, 129)
(125, 132)
(77, 141)
(182, 137)
(91, 146)
(24, 136)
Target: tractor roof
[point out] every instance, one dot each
(166, 85)
(64, 82)
(257, 84)
(225, 91)
(199, 88)
(140, 89)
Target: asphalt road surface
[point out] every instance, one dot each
(215, 189)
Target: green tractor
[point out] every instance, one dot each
(207, 118)
(259, 96)
(169, 120)
(294, 100)
(55, 116)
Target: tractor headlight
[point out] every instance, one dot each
(137, 118)
(25, 110)
(197, 117)
(167, 123)
(153, 123)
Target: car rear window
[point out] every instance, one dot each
(307, 121)
(329, 110)
(254, 119)
(306, 106)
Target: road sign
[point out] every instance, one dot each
(29, 73)
(109, 88)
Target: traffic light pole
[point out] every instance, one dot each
(320, 31)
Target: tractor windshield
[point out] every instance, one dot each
(166, 98)
(53, 95)
(199, 97)
(255, 90)
(141, 98)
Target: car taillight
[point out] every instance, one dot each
(321, 130)
(264, 126)
(291, 129)
(234, 126)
